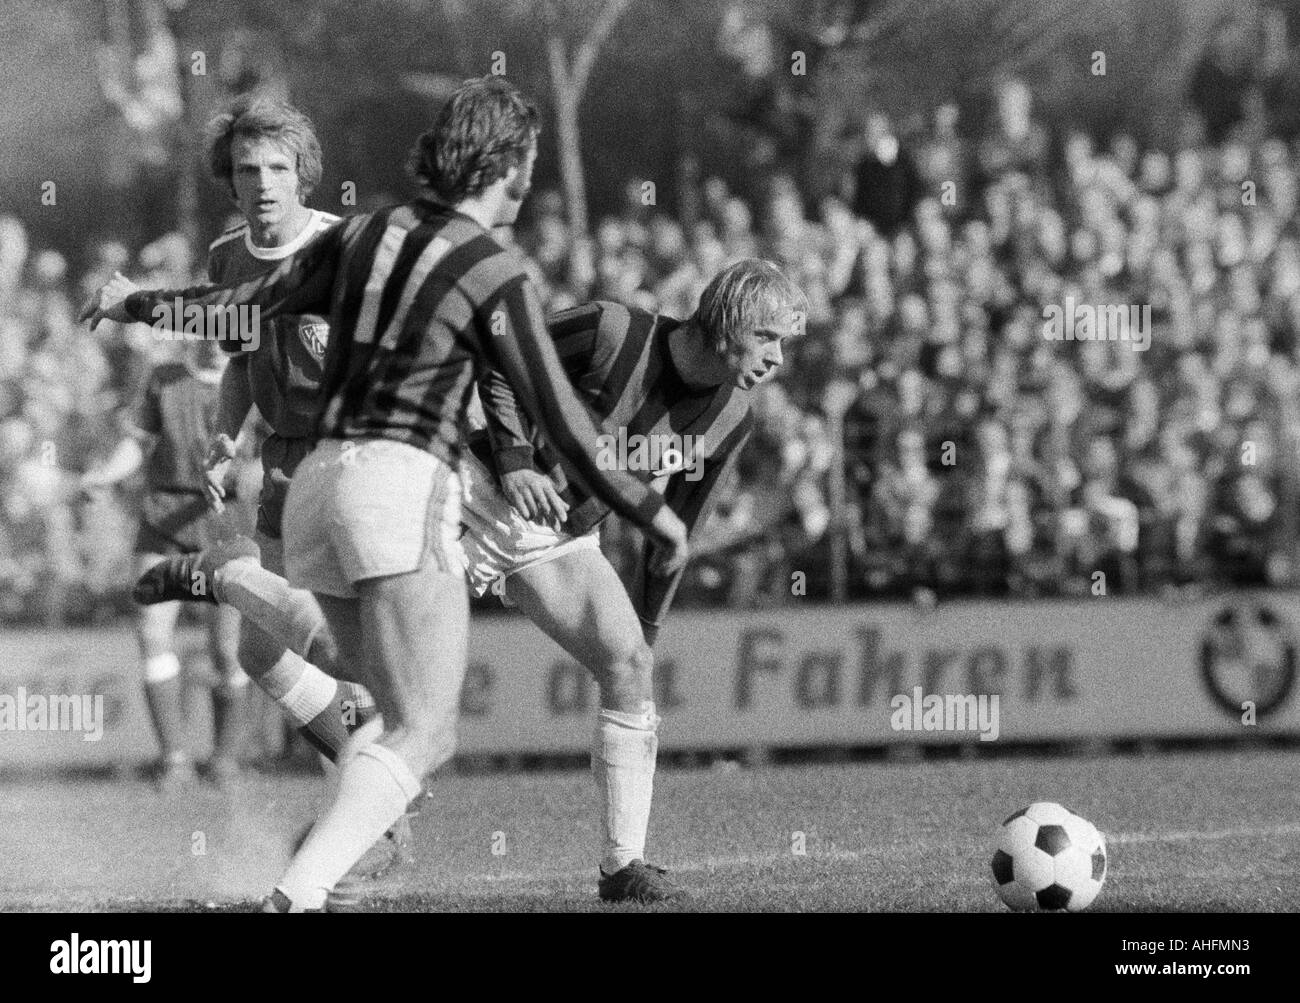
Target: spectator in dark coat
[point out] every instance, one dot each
(887, 183)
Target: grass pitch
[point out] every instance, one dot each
(1205, 831)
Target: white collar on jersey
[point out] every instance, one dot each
(314, 226)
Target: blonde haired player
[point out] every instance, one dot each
(531, 532)
(422, 298)
(679, 390)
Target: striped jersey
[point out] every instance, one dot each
(659, 426)
(421, 300)
(284, 371)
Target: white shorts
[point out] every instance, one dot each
(498, 541)
(368, 508)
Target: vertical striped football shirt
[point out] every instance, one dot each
(617, 358)
(422, 299)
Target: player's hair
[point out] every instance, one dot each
(484, 129)
(749, 294)
(261, 116)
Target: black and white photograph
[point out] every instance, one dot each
(652, 457)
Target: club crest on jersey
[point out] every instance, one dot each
(314, 335)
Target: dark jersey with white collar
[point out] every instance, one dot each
(284, 371)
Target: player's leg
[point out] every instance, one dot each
(320, 707)
(280, 623)
(570, 591)
(289, 617)
(155, 630)
(578, 600)
(229, 696)
(238, 577)
(412, 630)
(344, 708)
(260, 589)
(391, 586)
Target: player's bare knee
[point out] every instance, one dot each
(626, 679)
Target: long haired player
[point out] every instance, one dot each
(421, 298)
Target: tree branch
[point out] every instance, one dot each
(590, 47)
(560, 81)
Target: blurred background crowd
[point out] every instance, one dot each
(924, 438)
(980, 457)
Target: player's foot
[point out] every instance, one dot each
(278, 901)
(189, 577)
(381, 872)
(639, 882)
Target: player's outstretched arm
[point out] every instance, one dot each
(518, 345)
(301, 283)
(108, 302)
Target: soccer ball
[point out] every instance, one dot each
(1048, 858)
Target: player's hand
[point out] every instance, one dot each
(671, 549)
(533, 496)
(221, 454)
(109, 302)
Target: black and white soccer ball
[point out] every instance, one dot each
(1048, 859)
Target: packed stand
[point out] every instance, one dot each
(980, 458)
(66, 396)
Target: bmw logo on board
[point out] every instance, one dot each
(1248, 653)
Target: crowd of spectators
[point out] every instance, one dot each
(978, 456)
(65, 398)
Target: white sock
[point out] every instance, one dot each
(623, 753)
(289, 615)
(375, 786)
(300, 689)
